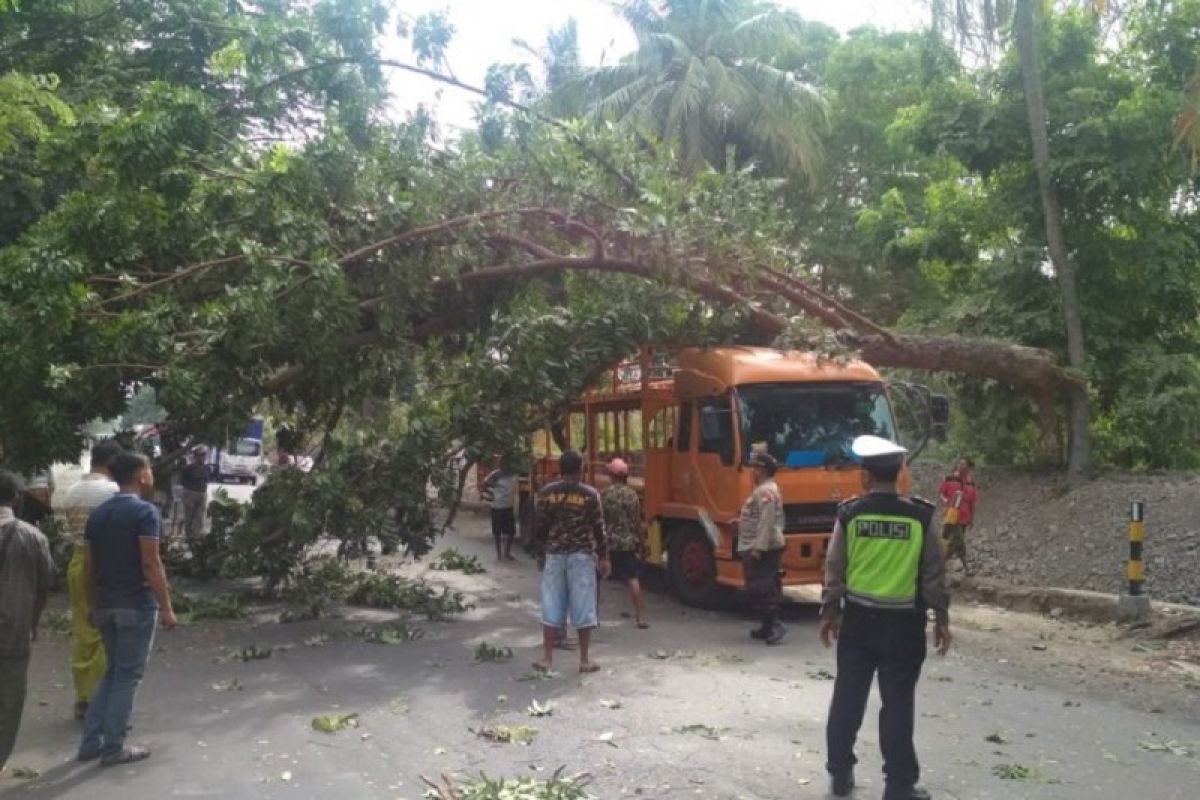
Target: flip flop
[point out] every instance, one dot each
(541, 666)
(643, 625)
(127, 755)
(586, 668)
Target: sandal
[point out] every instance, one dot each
(126, 755)
(643, 625)
(589, 667)
(541, 666)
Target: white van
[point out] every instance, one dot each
(242, 461)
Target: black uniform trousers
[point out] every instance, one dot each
(764, 585)
(892, 645)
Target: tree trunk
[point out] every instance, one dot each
(1079, 446)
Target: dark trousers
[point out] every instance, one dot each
(892, 645)
(14, 673)
(504, 524)
(763, 584)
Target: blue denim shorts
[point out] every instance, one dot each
(569, 585)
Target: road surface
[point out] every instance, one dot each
(700, 710)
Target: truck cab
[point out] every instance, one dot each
(688, 428)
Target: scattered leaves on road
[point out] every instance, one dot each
(606, 738)
(539, 675)
(57, 622)
(1173, 747)
(24, 773)
(251, 653)
(612, 705)
(332, 723)
(523, 788)
(488, 654)
(451, 559)
(231, 685)
(509, 734)
(1014, 772)
(317, 640)
(673, 655)
(391, 634)
(821, 675)
(996, 738)
(706, 731)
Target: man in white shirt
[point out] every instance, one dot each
(502, 483)
(87, 650)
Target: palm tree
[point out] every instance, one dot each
(986, 20)
(702, 80)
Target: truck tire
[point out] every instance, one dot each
(692, 568)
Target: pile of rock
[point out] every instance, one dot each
(1031, 531)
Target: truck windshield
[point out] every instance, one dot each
(247, 447)
(811, 424)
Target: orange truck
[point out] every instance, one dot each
(687, 423)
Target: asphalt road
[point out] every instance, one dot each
(712, 716)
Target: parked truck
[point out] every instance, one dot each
(241, 458)
(686, 424)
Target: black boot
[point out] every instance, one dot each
(842, 783)
(777, 633)
(761, 632)
(905, 793)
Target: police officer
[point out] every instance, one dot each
(760, 546)
(884, 569)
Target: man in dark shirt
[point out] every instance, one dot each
(193, 480)
(25, 569)
(571, 547)
(127, 587)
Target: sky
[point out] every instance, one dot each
(485, 30)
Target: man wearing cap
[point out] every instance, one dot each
(884, 569)
(193, 480)
(626, 535)
(760, 546)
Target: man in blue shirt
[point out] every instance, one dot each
(127, 589)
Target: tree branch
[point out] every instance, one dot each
(193, 269)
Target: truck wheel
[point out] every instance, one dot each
(692, 569)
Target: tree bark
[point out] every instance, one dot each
(1079, 446)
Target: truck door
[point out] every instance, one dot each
(682, 479)
(716, 463)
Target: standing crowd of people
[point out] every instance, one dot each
(118, 594)
(884, 576)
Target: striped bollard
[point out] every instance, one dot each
(1137, 536)
(1135, 605)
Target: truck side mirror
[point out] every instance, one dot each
(939, 416)
(939, 409)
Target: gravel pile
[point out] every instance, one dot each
(1030, 531)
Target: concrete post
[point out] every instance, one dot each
(1135, 605)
